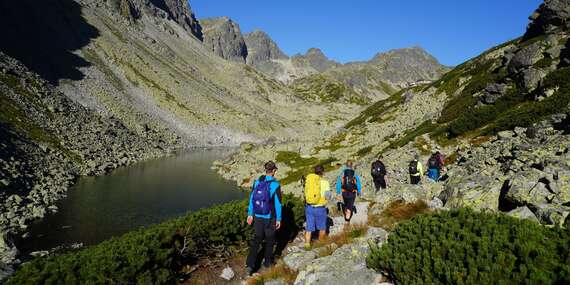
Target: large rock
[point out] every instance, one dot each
(551, 16)
(523, 213)
(299, 259)
(179, 11)
(347, 265)
(224, 38)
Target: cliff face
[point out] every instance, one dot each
(224, 38)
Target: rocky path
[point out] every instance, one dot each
(343, 265)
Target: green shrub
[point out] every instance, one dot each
(154, 255)
(466, 247)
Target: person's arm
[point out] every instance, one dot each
(278, 205)
(339, 185)
(250, 206)
(358, 185)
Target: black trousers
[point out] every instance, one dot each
(415, 179)
(264, 230)
(379, 182)
(348, 199)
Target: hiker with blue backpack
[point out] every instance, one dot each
(434, 165)
(348, 183)
(264, 212)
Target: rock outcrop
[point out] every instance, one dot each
(261, 48)
(224, 38)
(551, 16)
(314, 58)
(180, 12)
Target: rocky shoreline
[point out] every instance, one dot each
(48, 141)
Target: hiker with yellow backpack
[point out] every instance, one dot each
(316, 191)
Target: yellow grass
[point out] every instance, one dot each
(279, 271)
(396, 212)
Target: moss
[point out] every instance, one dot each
(333, 144)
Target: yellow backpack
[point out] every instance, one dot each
(313, 189)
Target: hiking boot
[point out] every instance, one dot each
(307, 246)
(249, 271)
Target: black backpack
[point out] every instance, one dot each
(413, 167)
(378, 169)
(349, 181)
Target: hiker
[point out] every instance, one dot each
(316, 191)
(435, 166)
(416, 170)
(264, 212)
(441, 160)
(378, 172)
(348, 183)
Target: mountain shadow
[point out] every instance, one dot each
(43, 35)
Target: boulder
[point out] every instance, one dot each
(227, 274)
(551, 16)
(523, 213)
(329, 269)
(299, 259)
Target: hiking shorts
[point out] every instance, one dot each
(316, 218)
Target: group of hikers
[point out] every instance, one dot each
(265, 202)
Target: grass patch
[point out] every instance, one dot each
(424, 128)
(346, 236)
(422, 145)
(377, 110)
(333, 144)
(364, 151)
(320, 88)
(397, 212)
(296, 174)
(279, 271)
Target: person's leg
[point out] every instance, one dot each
(258, 225)
(383, 183)
(321, 221)
(377, 184)
(348, 205)
(269, 228)
(310, 228)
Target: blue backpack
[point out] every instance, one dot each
(262, 202)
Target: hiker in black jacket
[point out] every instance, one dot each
(379, 174)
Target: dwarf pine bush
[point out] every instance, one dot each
(154, 255)
(467, 247)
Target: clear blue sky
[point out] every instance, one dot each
(452, 30)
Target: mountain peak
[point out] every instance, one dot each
(224, 38)
(261, 47)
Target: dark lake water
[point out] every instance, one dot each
(98, 208)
